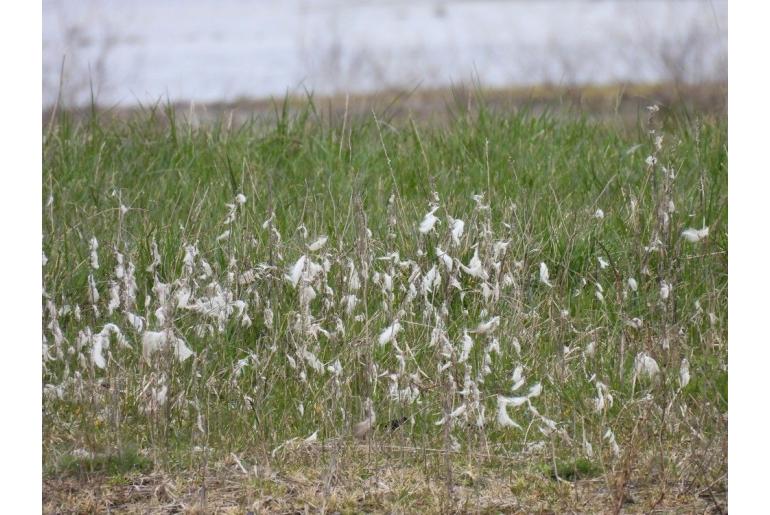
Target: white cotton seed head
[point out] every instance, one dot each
(153, 342)
(318, 244)
(190, 252)
(503, 419)
(695, 235)
(97, 351)
(335, 368)
(429, 221)
(610, 437)
(295, 273)
(445, 259)
(645, 367)
(467, 343)
(155, 257)
(94, 246)
(431, 280)
(120, 269)
(535, 390)
(499, 248)
(267, 223)
(665, 290)
(479, 200)
(52, 392)
(387, 282)
(129, 287)
(475, 267)
(389, 333)
(599, 214)
(453, 415)
(93, 293)
(350, 302)
(306, 295)
(84, 337)
(114, 297)
(544, 274)
(516, 345)
(136, 321)
(181, 350)
(514, 402)
(488, 326)
(632, 284)
(494, 346)
(203, 330)
(684, 373)
(549, 426)
(160, 316)
(599, 402)
(518, 378)
(313, 361)
(354, 282)
(458, 227)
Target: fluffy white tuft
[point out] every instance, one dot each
(389, 334)
(544, 275)
(318, 244)
(429, 221)
(695, 235)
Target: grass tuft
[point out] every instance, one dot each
(115, 466)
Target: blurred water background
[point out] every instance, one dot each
(142, 51)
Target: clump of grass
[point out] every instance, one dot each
(126, 461)
(572, 470)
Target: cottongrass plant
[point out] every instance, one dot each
(465, 329)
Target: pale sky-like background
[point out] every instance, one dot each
(146, 50)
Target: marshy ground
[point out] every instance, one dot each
(538, 300)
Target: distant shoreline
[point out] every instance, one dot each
(602, 101)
